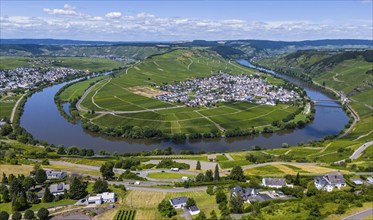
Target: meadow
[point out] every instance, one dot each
(116, 96)
(6, 105)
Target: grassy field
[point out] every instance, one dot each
(117, 94)
(6, 105)
(168, 175)
(15, 169)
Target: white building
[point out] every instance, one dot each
(179, 202)
(102, 198)
(194, 210)
(330, 181)
(94, 200)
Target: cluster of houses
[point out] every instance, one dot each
(223, 87)
(30, 77)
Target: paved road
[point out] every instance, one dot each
(15, 108)
(357, 152)
(205, 165)
(360, 215)
(271, 163)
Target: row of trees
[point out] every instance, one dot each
(42, 214)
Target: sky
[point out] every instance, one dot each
(178, 20)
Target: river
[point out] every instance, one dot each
(42, 119)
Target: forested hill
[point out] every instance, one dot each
(227, 48)
(308, 64)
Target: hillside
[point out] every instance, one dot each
(349, 72)
(127, 99)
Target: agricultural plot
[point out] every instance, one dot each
(128, 98)
(125, 215)
(6, 105)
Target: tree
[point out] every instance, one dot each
(107, 171)
(237, 174)
(213, 215)
(210, 190)
(28, 214)
(4, 215)
(312, 190)
(20, 203)
(216, 173)
(28, 182)
(201, 216)
(220, 197)
(190, 202)
(48, 196)
(16, 216)
(297, 179)
(61, 150)
(209, 176)
(236, 203)
(166, 209)
(198, 166)
(43, 214)
(200, 177)
(5, 179)
(78, 188)
(100, 186)
(40, 176)
(5, 195)
(7, 129)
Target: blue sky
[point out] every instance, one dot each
(186, 20)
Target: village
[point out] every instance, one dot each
(223, 87)
(31, 77)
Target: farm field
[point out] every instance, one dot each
(6, 105)
(128, 97)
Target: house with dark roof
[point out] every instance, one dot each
(194, 210)
(179, 202)
(53, 174)
(59, 188)
(275, 183)
(330, 181)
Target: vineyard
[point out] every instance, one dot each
(125, 215)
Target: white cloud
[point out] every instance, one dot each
(145, 26)
(114, 15)
(66, 10)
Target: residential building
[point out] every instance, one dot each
(102, 198)
(194, 210)
(53, 174)
(275, 183)
(330, 181)
(179, 202)
(59, 188)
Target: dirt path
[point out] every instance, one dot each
(229, 157)
(364, 135)
(15, 108)
(208, 119)
(191, 62)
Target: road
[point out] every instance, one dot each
(357, 152)
(15, 108)
(360, 215)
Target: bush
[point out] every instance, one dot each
(28, 214)
(4, 215)
(43, 214)
(16, 216)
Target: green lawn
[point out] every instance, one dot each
(6, 105)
